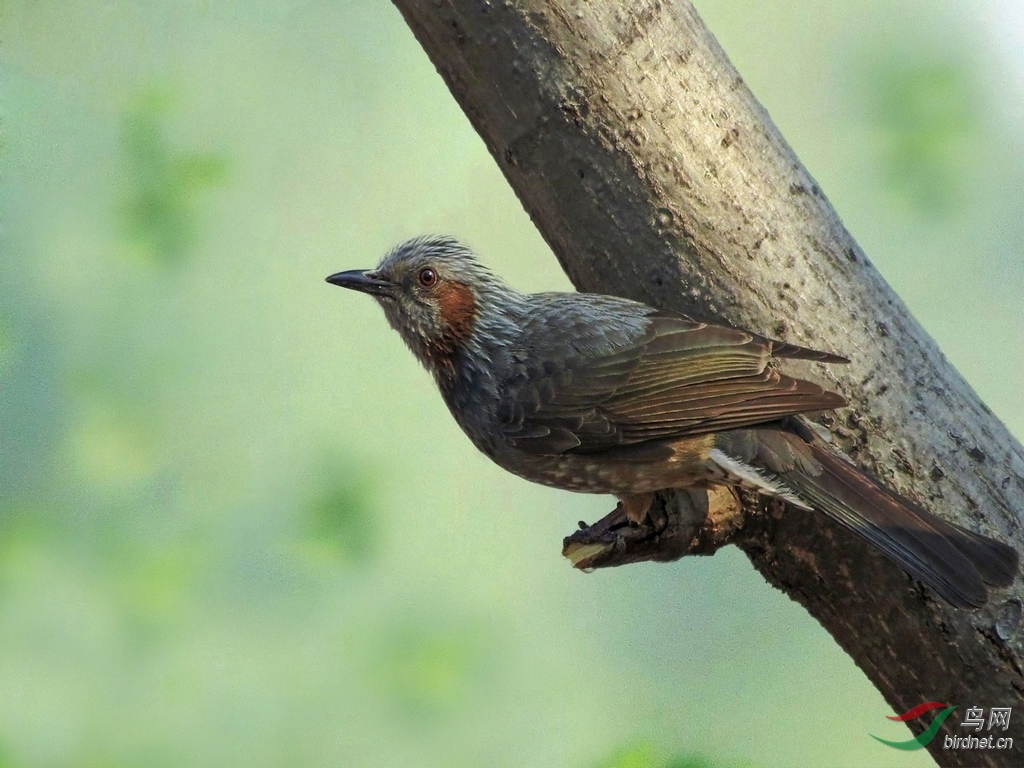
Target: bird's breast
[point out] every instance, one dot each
(683, 465)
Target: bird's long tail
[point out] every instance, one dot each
(955, 562)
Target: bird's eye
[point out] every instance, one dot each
(427, 277)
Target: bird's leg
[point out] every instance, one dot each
(636, 506)
(618, 534)
(670, 529)
(625, 522)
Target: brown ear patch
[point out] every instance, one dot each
(457, 308)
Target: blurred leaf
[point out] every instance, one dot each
(112, 446)
(6, 761)
(156, 588)
(25, 531)
(160, 212)
(339, 520)
(926, 113)
(637, 756)
(645, 756)
(680, 761)
(429, 670)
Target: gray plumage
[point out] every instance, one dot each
(601, 394)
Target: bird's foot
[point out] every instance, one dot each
(612, 535)
(666, 532)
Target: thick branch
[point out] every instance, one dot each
(653, 173)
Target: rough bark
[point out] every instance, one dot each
(653, 173)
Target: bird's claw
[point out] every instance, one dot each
(611, 536)
(669, 531)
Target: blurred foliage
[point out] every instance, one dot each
(156, 587)
(237, 526)
(645, 756)
(926, 115)
(429, 669)
(339, 519)
(6, 760)
(165, 183)
(113, 446)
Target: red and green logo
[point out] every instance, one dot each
(924, 738)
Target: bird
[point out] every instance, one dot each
(601, 394)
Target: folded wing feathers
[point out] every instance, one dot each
(680, 378)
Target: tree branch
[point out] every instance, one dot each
(653, 173)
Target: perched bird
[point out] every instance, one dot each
(600, 394)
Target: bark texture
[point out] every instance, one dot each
(653, 173)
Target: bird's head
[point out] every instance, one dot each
(432, 290)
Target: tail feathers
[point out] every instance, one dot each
(996, 562)
(953, 561)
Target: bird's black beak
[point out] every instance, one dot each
(363, 280)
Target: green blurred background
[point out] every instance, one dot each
(238, 527)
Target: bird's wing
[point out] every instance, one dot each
(667, 377)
